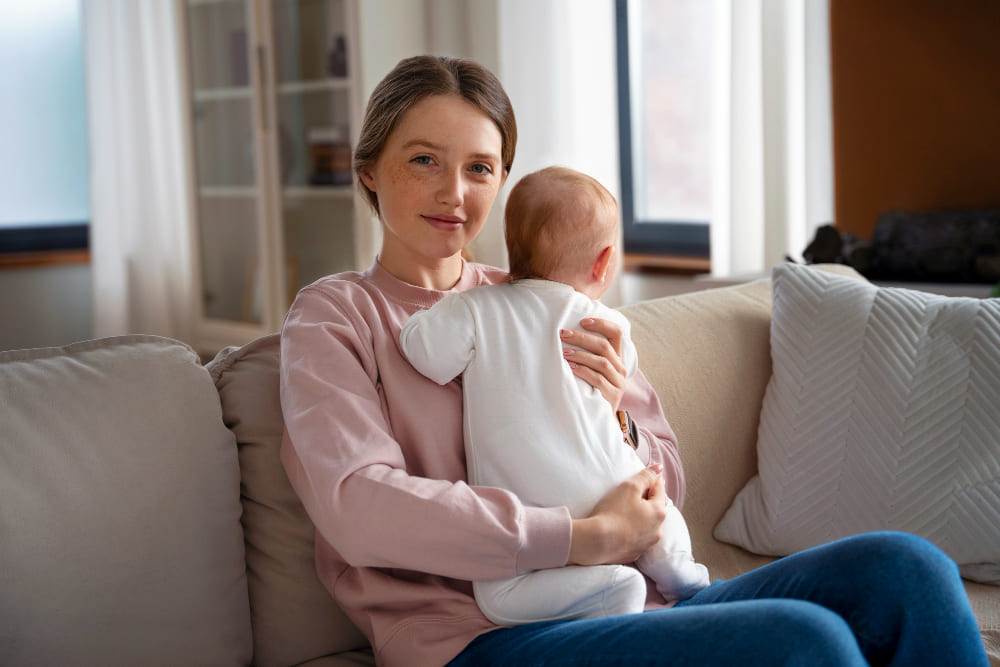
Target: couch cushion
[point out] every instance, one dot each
(717, 341)
(985, 602)
(706, 355)
(294, 617)
(119, 509)
(881, 414)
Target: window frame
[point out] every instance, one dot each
(653, 237)
(33, 238)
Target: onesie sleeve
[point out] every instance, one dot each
(629, 355)
(439, 342)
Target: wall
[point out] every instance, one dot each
(916, 98)
(44, 306)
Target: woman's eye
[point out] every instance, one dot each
(423, 159)
(482, 169)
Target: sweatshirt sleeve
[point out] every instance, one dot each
(350, 473)
(657, 442)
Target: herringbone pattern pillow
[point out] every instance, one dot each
(882, 413)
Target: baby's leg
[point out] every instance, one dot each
(669, 562)
(562, 593)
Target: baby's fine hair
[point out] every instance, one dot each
(552, 217)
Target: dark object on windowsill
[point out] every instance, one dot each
(942, 247)
(831, 247)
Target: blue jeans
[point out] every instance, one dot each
(878, 598)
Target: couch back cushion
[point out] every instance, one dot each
(294, 617)
(119, 509)
(707, 356)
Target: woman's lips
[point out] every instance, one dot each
(448, 223)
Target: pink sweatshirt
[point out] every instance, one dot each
(374, 450)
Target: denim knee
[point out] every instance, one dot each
(899, 560)
(810, 635)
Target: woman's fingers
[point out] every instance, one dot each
(628, 519)
(607, 330)
(595, 357)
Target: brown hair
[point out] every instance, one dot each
(413, 79)
(551, 219)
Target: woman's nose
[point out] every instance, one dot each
(450, 187)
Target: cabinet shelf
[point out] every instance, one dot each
(223, 94)
(227, 191)
(313, 86)
(259, 86)
(320, 192)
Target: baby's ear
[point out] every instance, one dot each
(599, 273)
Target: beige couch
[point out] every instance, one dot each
(136, 528)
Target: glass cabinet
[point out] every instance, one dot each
(272, 92)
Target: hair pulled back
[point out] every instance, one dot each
(413, 79)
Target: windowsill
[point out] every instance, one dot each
(678, 265)
(22, 260)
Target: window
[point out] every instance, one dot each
(43, 127)
(665, 60)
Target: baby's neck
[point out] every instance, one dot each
(579, 283)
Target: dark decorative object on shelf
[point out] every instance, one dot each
(331, 156)
(941, 246)
(337, 60)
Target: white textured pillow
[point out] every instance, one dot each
(120, 539)
(882, 413)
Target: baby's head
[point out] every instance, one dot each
(562, 225)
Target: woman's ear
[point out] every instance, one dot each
(365, 174)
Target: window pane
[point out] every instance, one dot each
(43, 124)
(671, 63)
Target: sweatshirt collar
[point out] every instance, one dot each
(423, 297)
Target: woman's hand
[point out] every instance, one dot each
(624, 523)
(599, 362)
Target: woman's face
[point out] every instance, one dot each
(435, 180)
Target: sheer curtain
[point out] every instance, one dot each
(140, 249)
(772, 180)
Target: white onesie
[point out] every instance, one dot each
(534, 428)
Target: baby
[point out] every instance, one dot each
(531, 426)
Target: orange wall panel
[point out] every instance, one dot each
(916, 107)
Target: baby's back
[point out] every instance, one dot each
(531, 426)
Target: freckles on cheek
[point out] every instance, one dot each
(401, 176)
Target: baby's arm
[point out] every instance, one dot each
(439, 341)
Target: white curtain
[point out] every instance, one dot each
(772, 175)
(140, 249)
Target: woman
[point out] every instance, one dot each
(375, 451)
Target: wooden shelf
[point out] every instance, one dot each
(684, 265)
(21, 260)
